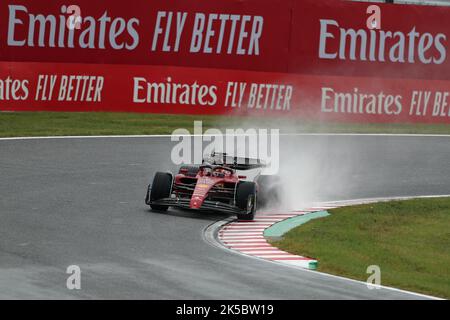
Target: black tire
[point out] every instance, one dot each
(191, 170)
(245, 192)
(269, 191)
(161, 188)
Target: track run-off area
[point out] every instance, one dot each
(80, 201)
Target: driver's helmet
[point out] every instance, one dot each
(207, 171)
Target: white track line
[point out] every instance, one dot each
(244, 229)
(240, 237)
(247, 241)
(193, 135)
(240, 233)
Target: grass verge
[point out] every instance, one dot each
(15, 124)
(408, 240)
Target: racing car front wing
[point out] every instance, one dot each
(207, 205)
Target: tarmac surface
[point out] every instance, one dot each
(81, 202)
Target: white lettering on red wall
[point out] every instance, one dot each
(380, 45)
(304, 59)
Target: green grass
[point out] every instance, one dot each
(13, 124)
(409, 241)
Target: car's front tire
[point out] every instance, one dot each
(246, 199)
(161, 188)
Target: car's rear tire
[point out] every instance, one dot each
(246, 199)
(191, 170)
(161, 188)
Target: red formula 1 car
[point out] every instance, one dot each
(222, 183)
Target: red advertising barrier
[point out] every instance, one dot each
(309, 59)
(332, 38)
(225, 34)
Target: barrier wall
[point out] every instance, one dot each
(308, 59)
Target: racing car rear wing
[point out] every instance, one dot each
(234, 162)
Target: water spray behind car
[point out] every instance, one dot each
(307, 172)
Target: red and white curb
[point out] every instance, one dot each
(247, 237)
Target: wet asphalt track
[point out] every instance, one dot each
(80, 201)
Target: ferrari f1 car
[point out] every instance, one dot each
(221, 183)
